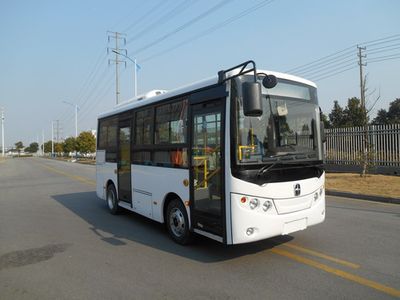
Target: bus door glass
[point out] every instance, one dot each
(124, 161)
(207, 193)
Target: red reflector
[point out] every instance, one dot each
(243, 199)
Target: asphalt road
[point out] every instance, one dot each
(58, 241)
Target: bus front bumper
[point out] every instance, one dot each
(249, 225)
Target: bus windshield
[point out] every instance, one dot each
(286, 131)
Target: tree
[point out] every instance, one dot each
(19, 146)
(32, 148)
(354, 113)
(391, 116)
(69, 145)
(381, 117)
(394, 111)
(336, 116)
(47, 147)
(58, 148)
(86, 142)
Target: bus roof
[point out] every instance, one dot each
(156, 95)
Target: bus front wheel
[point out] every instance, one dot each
(112, 201)
(178, 222)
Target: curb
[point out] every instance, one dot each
(363, 197)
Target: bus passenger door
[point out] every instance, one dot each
(207, 201)
(124, 161)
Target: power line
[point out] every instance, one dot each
(384, 48)
(343, 51)
(384, 58)
(184, 26)
(128, 16)
(328, 67)
(90, 91)
(339, 53)
(152, 10)
(339, 69)
(163, 19)
(322, 65)
(105, 82)
(391, 38)
(210, 29)
(100, 58)
(92, 75)
(334, 74)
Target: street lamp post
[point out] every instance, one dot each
(135, 68)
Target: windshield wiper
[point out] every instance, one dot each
(277, 158)
(283, 156)
(266, 168)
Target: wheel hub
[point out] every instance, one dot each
(177, 222)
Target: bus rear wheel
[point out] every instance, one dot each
(178, 222)
(112, 200)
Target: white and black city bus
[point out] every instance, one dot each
(237, 158)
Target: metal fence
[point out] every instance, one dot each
(345, 146)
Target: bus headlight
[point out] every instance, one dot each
(250, 231)
(267, 205)
(253, 203)
(315, 197)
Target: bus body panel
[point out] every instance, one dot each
(287, 213)
(151, 185)
(105, 172)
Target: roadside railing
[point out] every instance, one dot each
(345, 146)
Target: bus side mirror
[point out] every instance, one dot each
(252, 104)
(322, 126)
(323, 135)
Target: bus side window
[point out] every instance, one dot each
(108, 138)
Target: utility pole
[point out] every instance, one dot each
(52, 139)
(2, 131)
(362, 81)
(117, 37)
(42, 142)
(56, 135)
(58, 131)
(363, 108)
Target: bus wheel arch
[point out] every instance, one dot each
(176, 219)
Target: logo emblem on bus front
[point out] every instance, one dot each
(297, 189)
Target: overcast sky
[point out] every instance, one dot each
(55, 51)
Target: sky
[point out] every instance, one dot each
(54, 52)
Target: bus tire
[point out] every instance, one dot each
(112, 200)
(177, 222)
